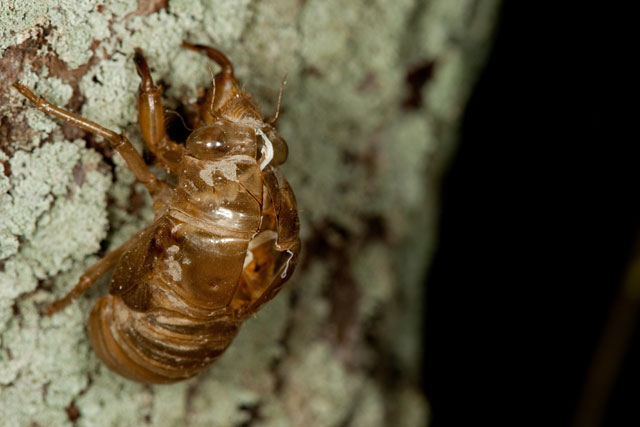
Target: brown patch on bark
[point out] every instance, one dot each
(312, 71)
(6, 168)
(255, 416)
(73, 413)
(337, 247)
(417, 77)
(147, 7)
(369, 83)
(344, 321)
(26, 55)
(79, 174)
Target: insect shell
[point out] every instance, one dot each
(223, 241)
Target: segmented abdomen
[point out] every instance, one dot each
(157, 346)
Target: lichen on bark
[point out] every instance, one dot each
(373, 98)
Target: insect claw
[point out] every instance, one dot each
(219, 57)
(53, 308)
(26, 92)
(143, 70)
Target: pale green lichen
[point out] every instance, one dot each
(369, 410)
(52, 216)
(374, 261)
(77, 25)
(314, 396)
(355, 156)
(34, 387)
(40, 196)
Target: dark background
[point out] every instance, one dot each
(540, 213)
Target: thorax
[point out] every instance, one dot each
(225, 193)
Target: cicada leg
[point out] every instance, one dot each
(92, 275)
(273, 253)
(151, 118)
(120, 143)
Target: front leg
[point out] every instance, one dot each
(265, 272)
(264, 286)
(151, 119)
(120, 143)
(273, 253)
(285, 207)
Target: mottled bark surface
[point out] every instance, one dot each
(371, 107)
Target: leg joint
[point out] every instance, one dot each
(118, 141)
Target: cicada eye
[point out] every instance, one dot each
(278, 144)
(208, 143)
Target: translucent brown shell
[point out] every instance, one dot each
(223, 241)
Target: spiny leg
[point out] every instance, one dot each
(213, 53)
(119, 142)
(225, 85)
(227, 69)
(151, 118)
(91, 275)
(274, 251)
(285, 207)
(266, 267)
(262, 287)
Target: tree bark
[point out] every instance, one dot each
(371, 108)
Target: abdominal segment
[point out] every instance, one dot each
(157, 346)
